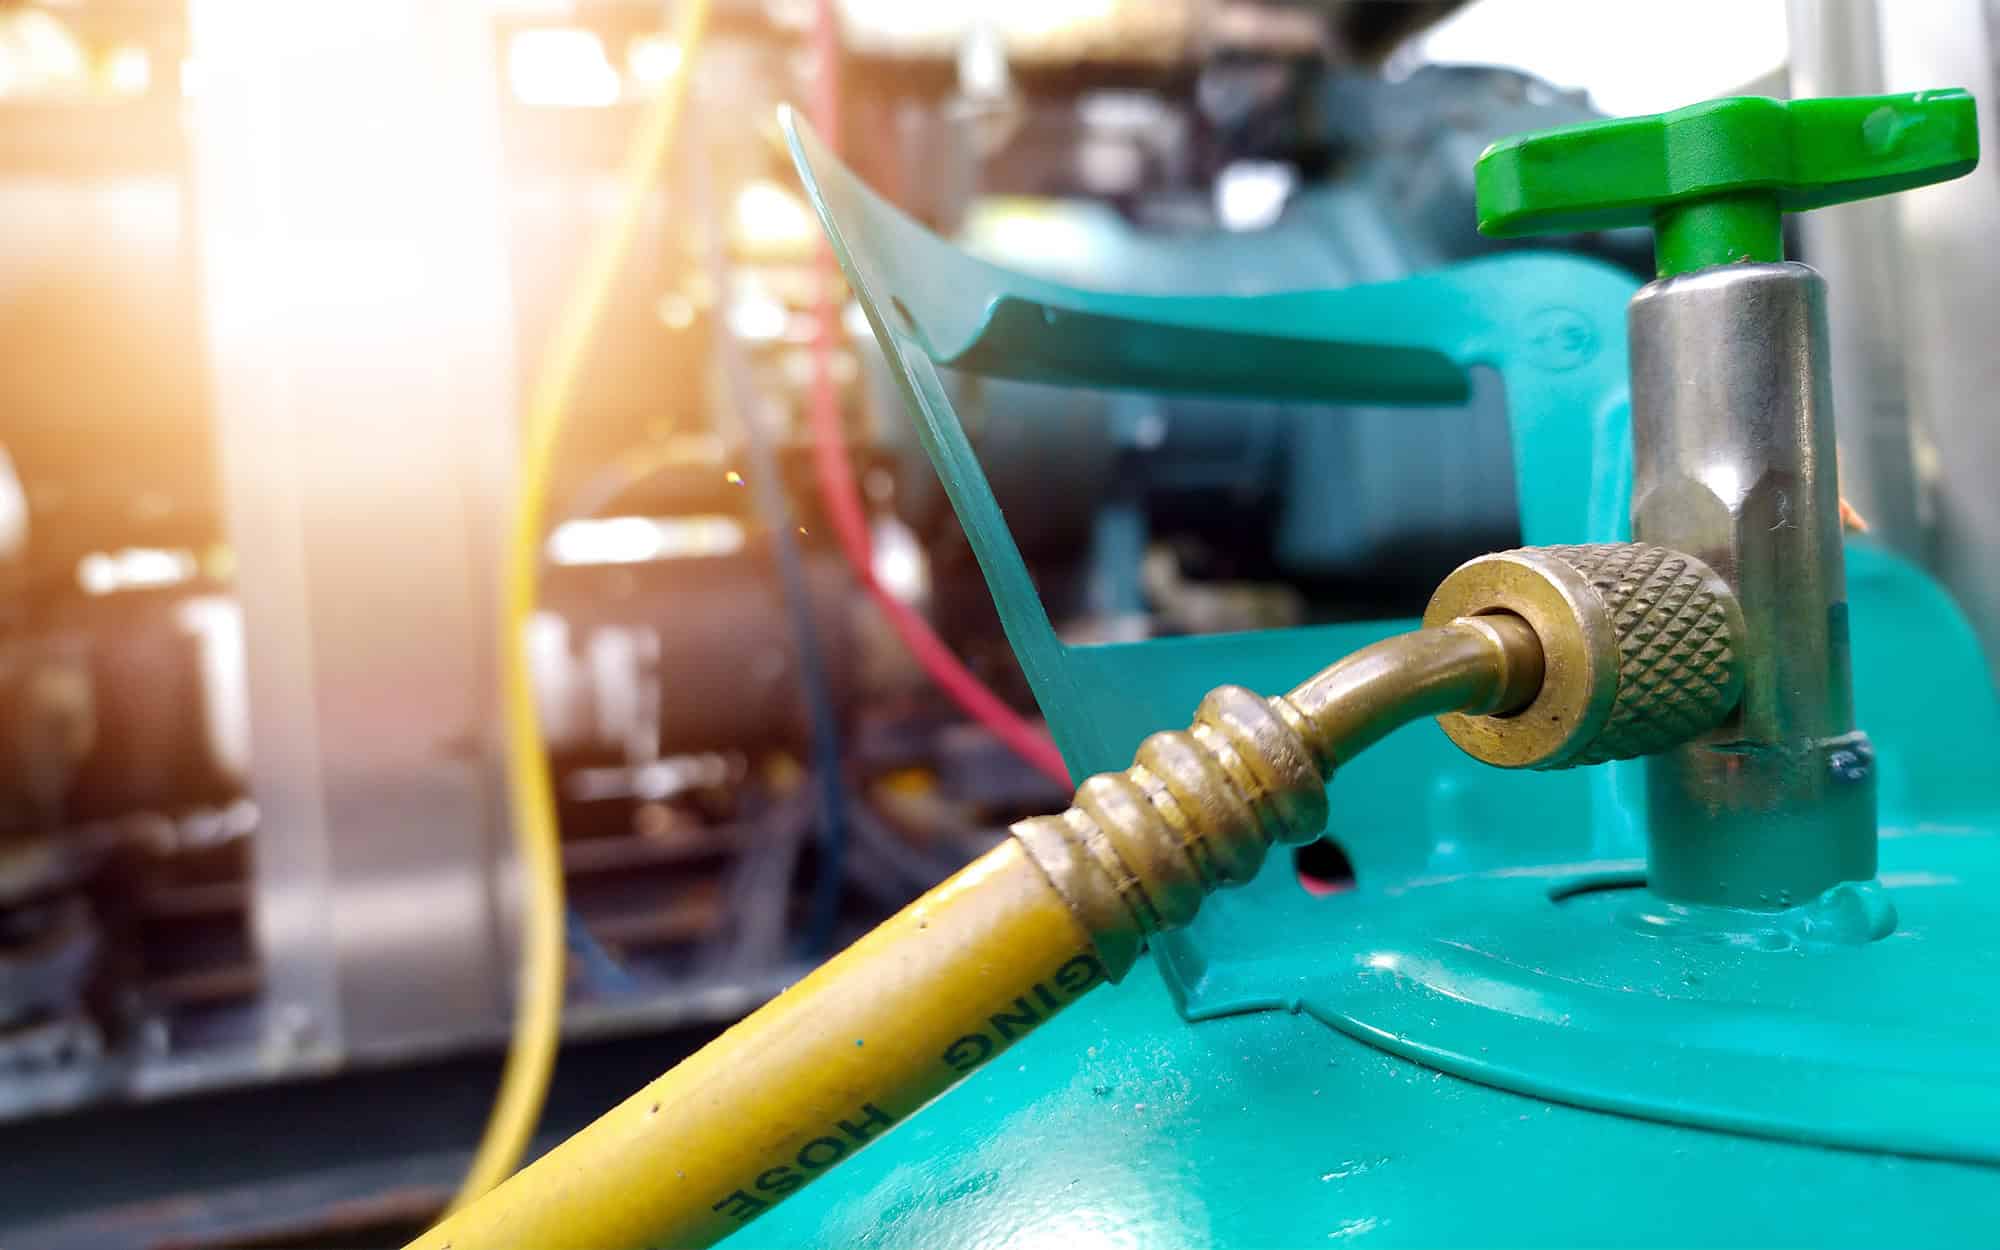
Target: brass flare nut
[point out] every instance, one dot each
(1642, 650)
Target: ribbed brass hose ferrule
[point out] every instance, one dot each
(1198, 809)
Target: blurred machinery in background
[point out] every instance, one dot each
(267, 335)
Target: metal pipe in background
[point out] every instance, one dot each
(360, 346)
(1733, 463)
(1836, 50)
(1947, 274)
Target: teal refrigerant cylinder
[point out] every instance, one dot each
(1500, 1036)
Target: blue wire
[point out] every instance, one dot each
(769, 494)
(824, 720)
(605, 974)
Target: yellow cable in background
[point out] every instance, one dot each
(517, 1108)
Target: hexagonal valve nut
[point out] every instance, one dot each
(1642, 650)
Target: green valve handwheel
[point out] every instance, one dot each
(1713, 179)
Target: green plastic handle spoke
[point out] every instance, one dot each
(1713, 179)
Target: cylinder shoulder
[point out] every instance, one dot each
(1122, 1124)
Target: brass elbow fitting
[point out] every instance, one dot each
(1198, 810)
(1538, 658)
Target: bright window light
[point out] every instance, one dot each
(1250, 194)
(756, 317)
(128, 70)
(1630, 58)
(770, 217)
(951, 20)
(560, 67)
(643, 540)
(134, 568)
(652, 59)
(899, 562)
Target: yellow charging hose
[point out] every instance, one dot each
(803, 1083)
(517, 1108)
(1061, 907)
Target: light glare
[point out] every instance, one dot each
(560, 67)
(643, 540)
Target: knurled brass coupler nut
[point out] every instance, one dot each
(1642, 650)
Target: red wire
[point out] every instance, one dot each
(843, 497)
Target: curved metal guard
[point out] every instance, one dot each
(1552, 327)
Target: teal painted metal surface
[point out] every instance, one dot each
(1486, 1043)
(1119, 1125)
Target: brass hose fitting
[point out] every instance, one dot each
(1642, 647)
(1545, 658)
(1138, 850)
